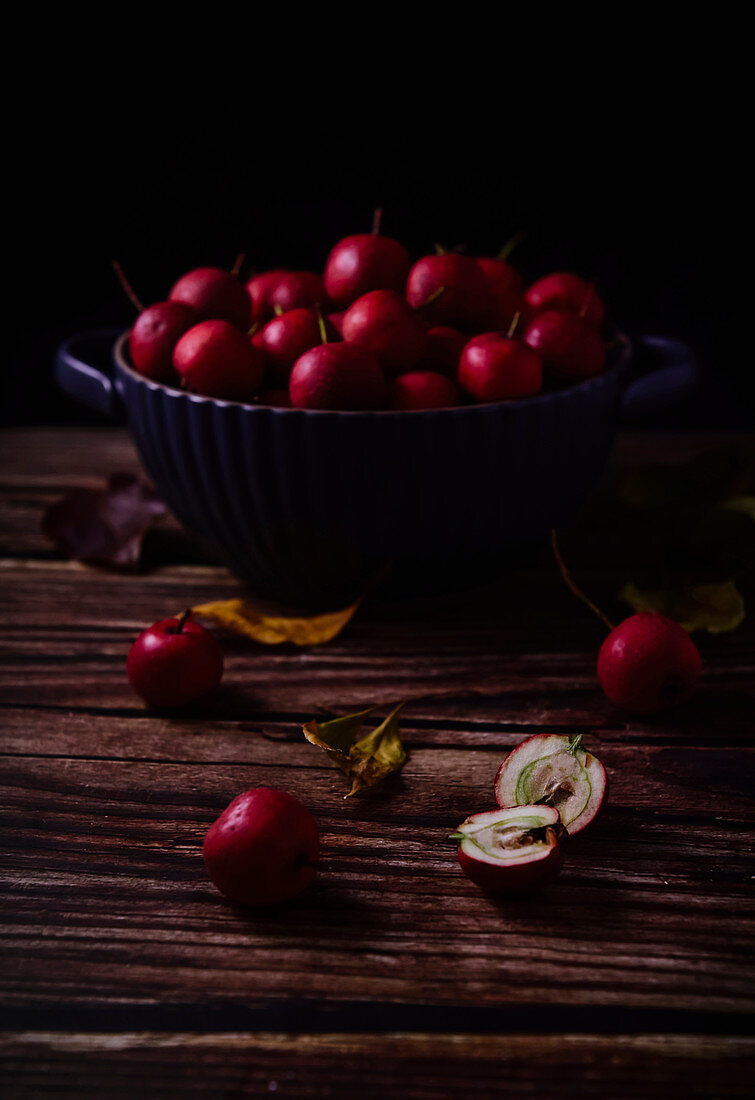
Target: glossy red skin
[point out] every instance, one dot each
(563, 290)
(382, 323)
(648, 663)
(263, 849)
(298, 290)
(285, 338)
(506, 293)
(170, 669)
(215, 294)
(589, 823)
(465, 301)
(501, 879)
(364, 262)
(567, 345)
(215, 359)
(155, 333)
(424, 389)
(336, 320)
(259, 290)
(337, 376)
(495, 368)
(443, 350)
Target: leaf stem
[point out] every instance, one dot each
(570, 582)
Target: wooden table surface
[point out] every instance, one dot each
(124, 973)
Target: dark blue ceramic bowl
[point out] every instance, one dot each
(307, 505)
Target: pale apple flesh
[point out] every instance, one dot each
(554, 770)
(512, 850)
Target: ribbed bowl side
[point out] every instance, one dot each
(307, 505)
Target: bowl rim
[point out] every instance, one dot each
(617, 338)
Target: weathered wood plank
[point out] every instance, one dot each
(412, 1066)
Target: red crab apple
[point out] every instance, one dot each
(259, 290)
(554, 770)
(382, 323)
(449, 289)
(174, 662)
(443, 350)
(563, 290)
(216, 359)
(297, 290)
(493, 367)
(510, 851)
(648, 663)
(506, 291)
(263, 849)
(337, 376)
(424, 389)
(567, 344)
(364, 262)
(215, 294)
(155, 333)
(285, 338)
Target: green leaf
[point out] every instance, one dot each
(713, 607)
(366, 759)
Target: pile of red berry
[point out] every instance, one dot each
(373, 332)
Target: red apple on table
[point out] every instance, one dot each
(648, 663)
(263, 849)
(174, 662)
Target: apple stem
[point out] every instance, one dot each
(439, 249)
(570, 583)
(126, 285)
(323, 330)
(432, 297)
(277, 310)
(238, 263)
(253, 329)
(377, 217)
(512, 326)
(182, 621)
(511, 244)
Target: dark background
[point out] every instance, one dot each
(646, 204)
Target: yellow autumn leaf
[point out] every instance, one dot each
(716, 608)
(242, 617)
(366, 760)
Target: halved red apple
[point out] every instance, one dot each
(552, 769)
(510, 851)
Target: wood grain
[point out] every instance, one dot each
(412, 1066)
(110, 926)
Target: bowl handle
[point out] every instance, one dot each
(668, 373)
(84, 369)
